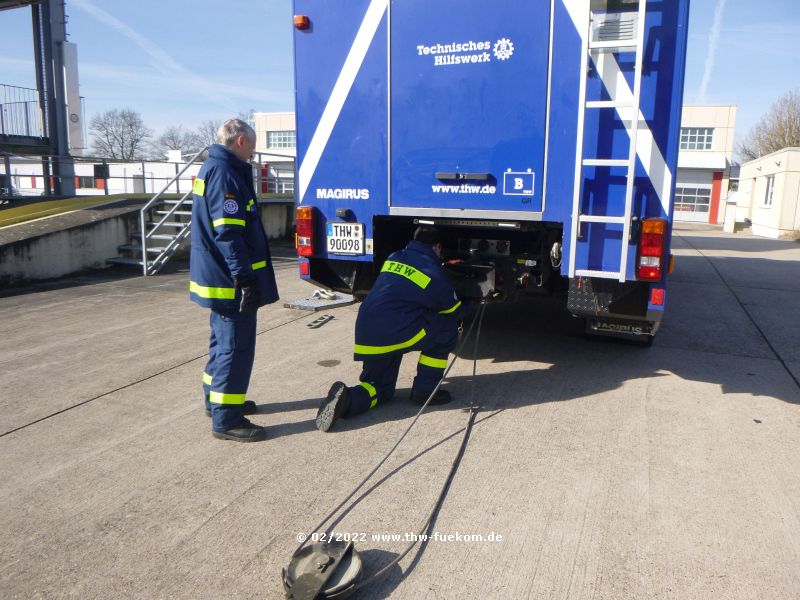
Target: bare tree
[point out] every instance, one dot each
(176, 138)
(207, 133)
(778, 129)
(248, 116)
(119, 134)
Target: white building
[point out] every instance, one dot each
(139, 177)
(706, 151)
(136, 177)
(275, 131)
(769, 194)
(276, 149)
(274, 157)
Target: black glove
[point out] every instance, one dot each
(250, 297)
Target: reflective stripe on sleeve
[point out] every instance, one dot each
(250, 204)
(436, 363)
(223, 398)
(361, 349)
(219, 222)
(218, 293)
(199, 187)
(452, 309)
(407, 271)
(258, 265)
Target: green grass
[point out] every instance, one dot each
(48, 208)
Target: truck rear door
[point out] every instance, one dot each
(469, 101)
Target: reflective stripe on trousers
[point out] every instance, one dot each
(373, 393)
(363, 349)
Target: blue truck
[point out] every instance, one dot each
(541, 137)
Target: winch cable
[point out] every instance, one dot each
(473, 411)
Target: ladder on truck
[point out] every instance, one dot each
(624, 36)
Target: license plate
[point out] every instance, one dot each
(345, 238)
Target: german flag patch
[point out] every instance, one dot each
(229, 196)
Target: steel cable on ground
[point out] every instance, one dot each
(451, 474)
(473, 412)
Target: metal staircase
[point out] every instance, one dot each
(608, 33)
(163, 227)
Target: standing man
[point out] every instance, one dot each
(231, 273)
(411, 307)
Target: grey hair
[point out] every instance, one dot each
(231, 129)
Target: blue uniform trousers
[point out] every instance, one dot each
(379, 374)
(231, 351)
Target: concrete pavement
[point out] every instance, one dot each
(610, 471)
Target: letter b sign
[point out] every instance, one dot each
(518, 183)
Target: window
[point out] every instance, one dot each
(692, 199)
(280, 139)
(769, 190)
(697, 138)
(84, 182)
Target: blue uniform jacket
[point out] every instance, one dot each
(228, 239)
(410, 293)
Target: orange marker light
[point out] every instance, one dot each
(301, 22)
(658, 226)
(305, 231)
(650, 259)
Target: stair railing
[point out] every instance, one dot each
(154, 266)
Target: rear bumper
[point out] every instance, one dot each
(614, 306)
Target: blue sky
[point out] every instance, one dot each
(183, 62)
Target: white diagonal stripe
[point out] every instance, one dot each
(613, 79)
(579, 13)
(352, 64)
(646, 148)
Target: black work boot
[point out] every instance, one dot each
(244, 432)
(333, 407)
(440, 397)
(248, 408)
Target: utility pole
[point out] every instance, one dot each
(49, 35)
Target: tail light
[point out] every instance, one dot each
(650, 261)
(305, 231)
